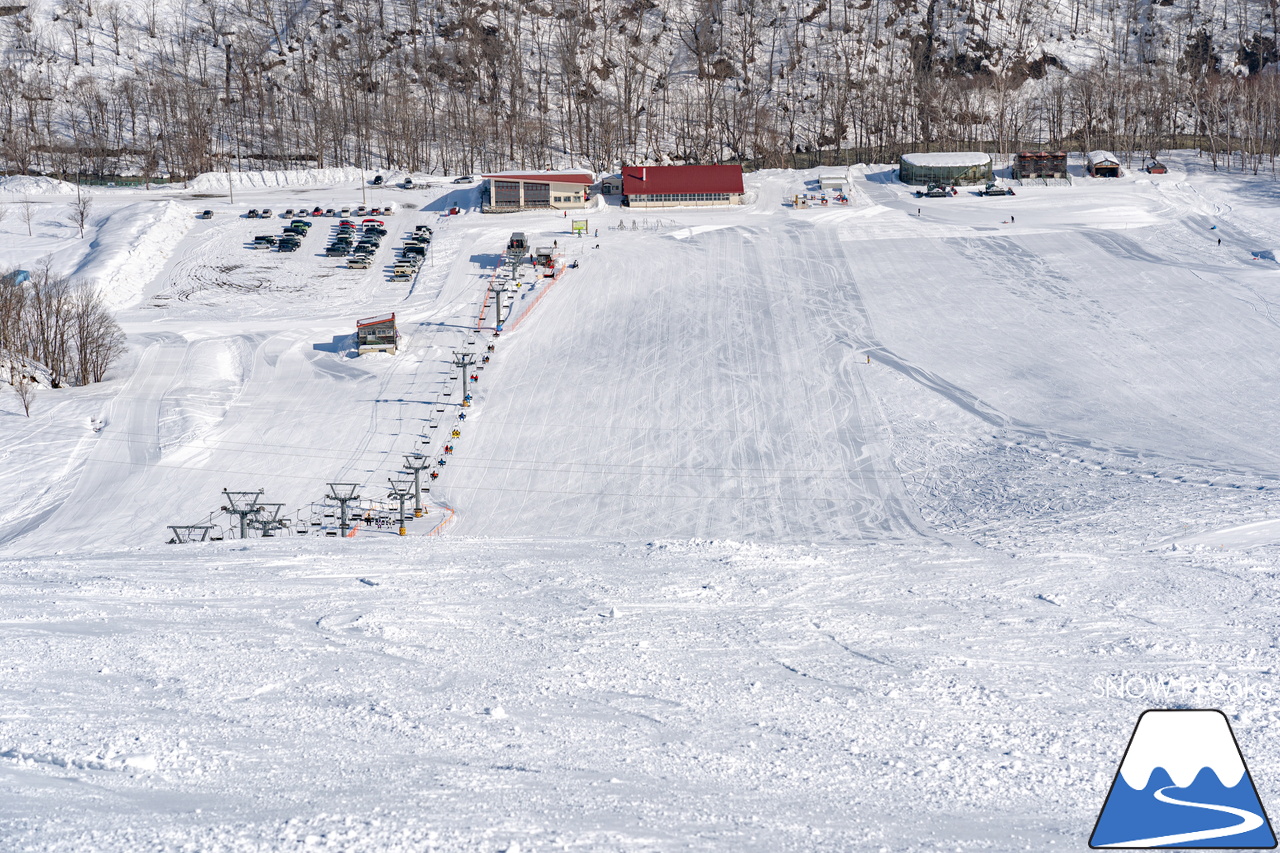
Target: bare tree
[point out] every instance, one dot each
(27, 210)
(80, 211)
(24, 387)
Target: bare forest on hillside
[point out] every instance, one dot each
(179, 87)
(59, 324)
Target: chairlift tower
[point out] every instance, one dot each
(400, 491)
(242, 505)
(184, 533)
(463, 361)
(343, 493)
(499, 289)
(416, 463)
(268, 518)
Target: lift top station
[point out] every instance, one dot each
(517, 246)
(377, 334)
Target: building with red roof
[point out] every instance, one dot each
(525, 190)
(680, 186)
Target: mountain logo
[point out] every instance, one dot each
(1183, 784)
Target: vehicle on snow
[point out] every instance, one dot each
(934, 191)
(377, 180)
(208, 214)
(408, 183)
(997, 189)
(252, 214)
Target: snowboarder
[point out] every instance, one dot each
(597, 232)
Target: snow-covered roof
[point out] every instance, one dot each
(1101, 156)
(948, 159)
(565, 176)
(376, 321)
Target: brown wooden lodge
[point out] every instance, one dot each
(1040, 164)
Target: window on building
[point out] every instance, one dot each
(537, 194)
(506, 193)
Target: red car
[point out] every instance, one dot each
(319, 211)
(371, 222)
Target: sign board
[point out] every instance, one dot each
(580, 227)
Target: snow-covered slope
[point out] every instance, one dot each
(854, 527)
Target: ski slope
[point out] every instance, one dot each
(768, 528)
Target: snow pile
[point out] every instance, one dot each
(35, 185)
(217, 181)
(130, 247)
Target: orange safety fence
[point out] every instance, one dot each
(435, 531)
(534, 304)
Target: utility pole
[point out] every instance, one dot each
(400, 491)
(500, 289)
(243, 505)
(463, 361)
(343, 493)
(416, 463)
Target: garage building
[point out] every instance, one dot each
(512, 191)
(681, 186)
(964, 167)
(1103, 164)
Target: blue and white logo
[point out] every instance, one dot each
(1183, 783)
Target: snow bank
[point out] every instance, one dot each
(217, 181)
(34, 185)
(948, 160)
(130, 247)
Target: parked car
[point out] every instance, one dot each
(300, 223)
(329, 212)
(288, 247)
(208, 214)
(288, 213)
(252, 214)
(465, 179)
(361, 210)
(408, 183)
(359, 263)
(337, 251)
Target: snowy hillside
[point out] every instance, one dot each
(866, 526)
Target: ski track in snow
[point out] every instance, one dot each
(701, 575)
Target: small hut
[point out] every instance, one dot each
(964, 167)
(1102, 164)
(377, 334)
